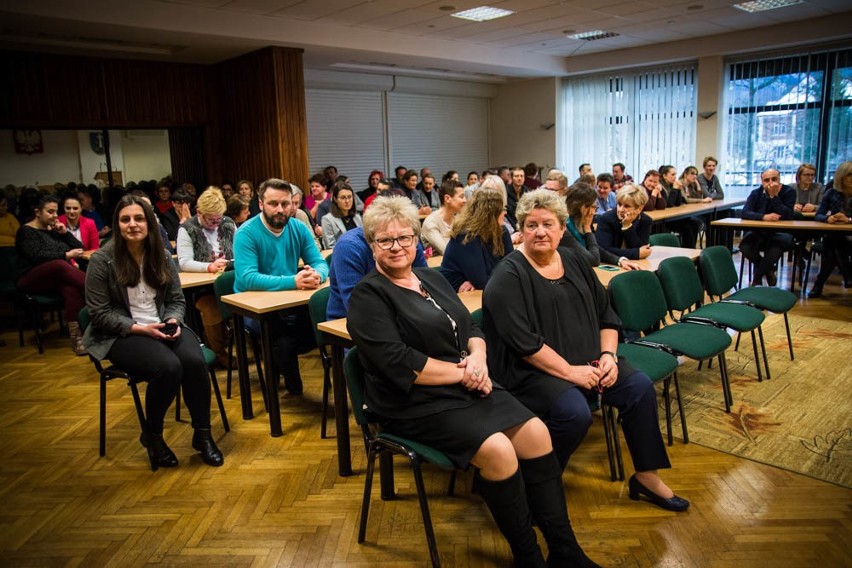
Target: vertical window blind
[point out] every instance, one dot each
(643, 118)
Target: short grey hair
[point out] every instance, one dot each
(383, 210)
(541, 199)
(632, 195)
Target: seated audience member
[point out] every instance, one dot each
(267, 250)
(8, 224)
(372, 184)
(427, 379)
(619, 178)
(325, 207)
(772, 201)
(45, 250)
(246, 190)
(672, 191)
(438, 225)
(690, 187)
(514, 191)
(808, 191)
(605, 201)
(531, 176)
(478, 241)
(546, 316)
(180, 212)
(237, 209)
(709, 181)
(318, 193)
(472, 184)
(427, 195)
(205, 243)
(836, 207)
(342, 216)
(89, 198)
(299, 213)
(581, 202)
(134, 296)
(584, 169)
(227, 190)
(450, 175)
(352, 260)
(164, 236)
(164, 197)
(385, 189)
(505, 174)
(409, 187)
(556, 181)
(83, 228)
(651, 185)
(398, 173)
(625, 230)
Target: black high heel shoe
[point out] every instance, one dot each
(673, 503)
(158, 452)
(202, 441)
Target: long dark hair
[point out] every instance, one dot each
(335, 209)
(155, 264)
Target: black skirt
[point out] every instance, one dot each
(460, 432)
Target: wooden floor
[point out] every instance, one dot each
(279, 502)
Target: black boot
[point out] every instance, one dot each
(202, 441)
(507, 502)
(546, 498)
(158, 452)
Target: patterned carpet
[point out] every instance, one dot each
(800, 420)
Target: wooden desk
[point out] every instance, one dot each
(435, 261)
(658, 255)
(197, 279)
(692, 209)
(262, 306)
(339, 338)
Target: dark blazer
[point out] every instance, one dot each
(109, 306)
(612, 238)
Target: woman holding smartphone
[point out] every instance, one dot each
(136, 305)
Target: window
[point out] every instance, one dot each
(785, 111)
(642, 118)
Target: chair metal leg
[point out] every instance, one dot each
(368, 487)
(258, 355)
(143, 422)
(326, 386)
(789, 337)
(610, 450)
(230, 373)
(737, 345)
(756, 356)
(218, 393)
(102, 445)
(451, 490)
(668, 402)
(726, 387)
(680, 409)
(424, 510)
(763, 350)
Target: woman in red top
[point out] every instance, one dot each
(81, 227)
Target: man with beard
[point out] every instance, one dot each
(267, 249)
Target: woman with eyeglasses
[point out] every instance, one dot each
(427, 379)
(809, 192)
(205, 243)
(478, 241)
(341, 217)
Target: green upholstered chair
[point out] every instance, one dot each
(317, 306)
(377, 442)
(685, 295)
(638, 299)
(664, 240)
(720, 277)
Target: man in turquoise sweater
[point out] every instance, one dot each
(267, 250)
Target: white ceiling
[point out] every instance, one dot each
(406, 35)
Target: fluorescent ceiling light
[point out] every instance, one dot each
(592, 35)
(482, 14)
(763, 5)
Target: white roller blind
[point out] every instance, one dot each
(346, 129)
(439, 132)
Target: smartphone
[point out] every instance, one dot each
(169, 329)
(609, 268)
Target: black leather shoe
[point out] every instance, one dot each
(293, 386)
(202, 441)
(771, 278)
(674, 503)
(815, 292)
(158, 452)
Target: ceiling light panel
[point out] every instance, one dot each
(592, 35)
(763, 5)
(482, 14)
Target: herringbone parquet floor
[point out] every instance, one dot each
(279, 502)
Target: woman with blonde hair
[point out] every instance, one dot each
(836, 207)
(478, 240)
(809, 192)
(625, 230)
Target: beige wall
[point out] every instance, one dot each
(708, 131)
(519, 114)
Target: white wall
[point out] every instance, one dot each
(519, 116)
(708, 131)
(91, 163)
(146, 154)
(60, 160)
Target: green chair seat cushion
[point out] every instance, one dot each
(766, 298)
(209, 356)
(46, 299)
(693, 340)
(655, 363)
(735, 316)
(428, 453)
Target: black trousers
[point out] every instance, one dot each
(837, 250)
(772, 245)
(167, 366)
(292, 334)
(688, 229)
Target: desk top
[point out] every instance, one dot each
(263, 302)
(658, 255)
(793, 225)
(691, 209)
(196, 279)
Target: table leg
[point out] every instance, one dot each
(341, 411)
(271, 380)
(242, 367)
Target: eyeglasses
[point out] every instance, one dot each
(404, 241)
(211, 220)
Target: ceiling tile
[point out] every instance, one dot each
(314, 10)
(259, 6)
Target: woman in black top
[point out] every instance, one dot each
(428, 380)
(46, 254)
(552, 337)
(625, 230)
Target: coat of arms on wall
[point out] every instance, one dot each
(96, 142)
(28, 141)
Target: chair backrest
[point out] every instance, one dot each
(317, 306)
(717, 267)
(83, 318)
(681, 283)
(355, 382)
(476, 317)
(222, 286)
(664, 240)
(638, 299)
